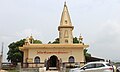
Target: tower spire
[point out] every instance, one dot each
(65, 28)
(65, 17)
(65, 3)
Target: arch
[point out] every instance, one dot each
(53, 61)
(37, 60)
(65, 21)
(71, 59)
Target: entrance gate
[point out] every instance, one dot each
(53, 62)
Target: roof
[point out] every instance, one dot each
(91, 59)
(53, 46)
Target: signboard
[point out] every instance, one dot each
(52, 52)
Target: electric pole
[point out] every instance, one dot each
(1, 56)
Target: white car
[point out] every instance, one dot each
(95, 67)
(118, 69)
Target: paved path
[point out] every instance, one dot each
(52, 71)
(3, 71)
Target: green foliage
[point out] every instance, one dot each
(49, 42)
(37, 42)
(86, 53)
(75, 40)
(56, 41)
(14, 54)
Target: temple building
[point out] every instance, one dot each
(53, 55)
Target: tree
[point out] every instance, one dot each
(14, 54)
(56, 41)
(37, 42)
(86, 53)
(49, 42)
(75, 40)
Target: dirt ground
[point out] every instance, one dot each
(3, 71)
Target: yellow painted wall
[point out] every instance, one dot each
(77, 53)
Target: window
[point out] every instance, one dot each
(66, 34)
(108, 64)
(99, 65)
(60, 34)
(66, 41)
(65, 21)
(37, 60)
(71, 59)
(90, 66)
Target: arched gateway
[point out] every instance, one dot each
(53, 62)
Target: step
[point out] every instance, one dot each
(52, 68)
(52, 71)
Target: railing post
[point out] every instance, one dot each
(64, 67)
(19, 67)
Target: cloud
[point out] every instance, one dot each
(107, 41)
(28, 32)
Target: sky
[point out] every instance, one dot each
(97, 20)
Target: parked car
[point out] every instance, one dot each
(118, 69)
(94, 67)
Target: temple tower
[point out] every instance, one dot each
(65, 28)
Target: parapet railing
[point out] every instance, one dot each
(32, 65)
